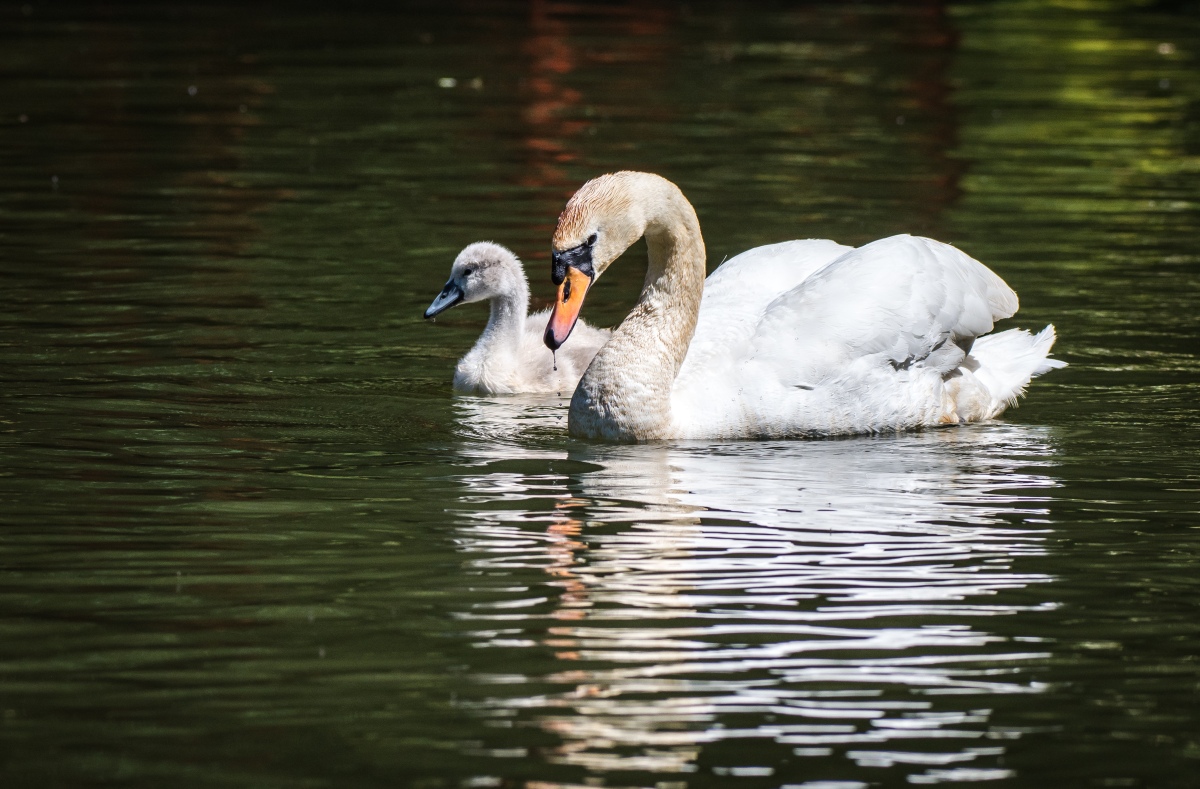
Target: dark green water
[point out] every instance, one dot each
(248, 537)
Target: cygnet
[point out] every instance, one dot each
(510, 356)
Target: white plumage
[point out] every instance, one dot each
(850, 341)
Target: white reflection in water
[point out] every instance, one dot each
(823, 596)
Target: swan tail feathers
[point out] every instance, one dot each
(1009, 360)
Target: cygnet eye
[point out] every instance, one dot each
(468, 271)
(591, 240)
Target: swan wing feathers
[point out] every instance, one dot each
(737, 294)
(858, 341)
(901, 299)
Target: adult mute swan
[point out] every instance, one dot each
(509, 356)
(803, 338)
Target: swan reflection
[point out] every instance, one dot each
(820, 598)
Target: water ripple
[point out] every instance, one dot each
(809, 595)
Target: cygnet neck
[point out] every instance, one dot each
(506, 321)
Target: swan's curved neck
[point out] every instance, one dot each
(626, 393)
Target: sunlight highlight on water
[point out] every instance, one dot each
(840, 591)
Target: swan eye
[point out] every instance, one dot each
(591, 240)
(468, 272)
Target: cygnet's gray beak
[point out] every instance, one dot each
(450, 295)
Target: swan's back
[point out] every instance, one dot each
(737, 294)
(893, 299)
(865, 342)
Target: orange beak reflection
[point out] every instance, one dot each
(566, 308)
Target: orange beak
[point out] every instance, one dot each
(566, 308)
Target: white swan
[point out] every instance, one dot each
(509, 356)
(803, 338)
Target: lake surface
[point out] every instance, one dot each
(249, 537)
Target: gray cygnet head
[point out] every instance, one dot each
(482, 271)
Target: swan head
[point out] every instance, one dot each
(482, 271)
(603, 219)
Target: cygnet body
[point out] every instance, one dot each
(510, 357)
